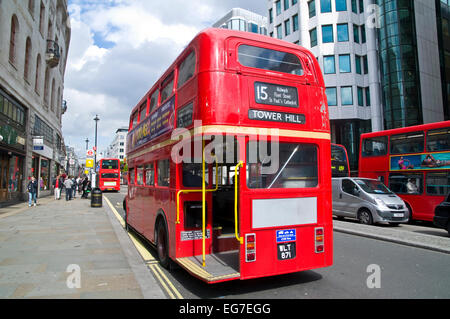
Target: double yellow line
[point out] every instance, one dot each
(150, 261)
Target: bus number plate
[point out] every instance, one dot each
(286, 251)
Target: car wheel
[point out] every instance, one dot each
(365, 217)
(448, 229)
(162, 244)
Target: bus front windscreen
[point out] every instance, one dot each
(110, 164)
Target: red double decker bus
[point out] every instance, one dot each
(340, 166)
(414, 162)
(229, 160)
(109, 174)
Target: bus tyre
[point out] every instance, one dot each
(448, 229)
(162, 246)
(365, 217)
(127, 228)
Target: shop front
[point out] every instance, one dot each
(41, 166)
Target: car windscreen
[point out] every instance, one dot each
(372, 186)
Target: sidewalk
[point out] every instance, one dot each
(45, 251)
(395, 235)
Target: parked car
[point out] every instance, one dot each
(367, 200)
(441, 215)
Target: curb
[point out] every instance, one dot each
(397, 236)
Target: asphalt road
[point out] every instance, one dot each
(404, 272)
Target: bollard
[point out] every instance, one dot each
(96, 197)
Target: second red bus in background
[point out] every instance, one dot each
(109, 174)
(414, 162)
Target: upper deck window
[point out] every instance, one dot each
(407, 143)
(154, 100)
(143, 111)
(271, 60)
(134, 120)
(187, 69)
(167, 89)
(375, 146)
(438, 140)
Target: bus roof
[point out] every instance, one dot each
(409, 129)
(220, 35)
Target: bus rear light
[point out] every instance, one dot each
(250, 247)
(319, 240)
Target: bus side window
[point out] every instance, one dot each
(164, 173)
(150, 175)
(140, 175)
(131, 176)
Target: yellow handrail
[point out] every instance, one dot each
(240, 239)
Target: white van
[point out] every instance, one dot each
(367, 200)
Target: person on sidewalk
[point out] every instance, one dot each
(57, 186)
(74, 188)
(32, 191)
(68, 185)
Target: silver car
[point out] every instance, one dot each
(368, 200)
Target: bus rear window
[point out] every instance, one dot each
(110, 164)
(271, 60)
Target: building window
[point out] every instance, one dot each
(287, 28)
(253, 27)
(327, 34)
(361, 6)
(42, 129)
(294, 2)
(331, 96)
(347, 95)
(355, 33)
(270, 16)
(46, 86)
(313, 37)
(295, 23)
(312, 8)
(41, 18)
(26, 70)
(52, 97)
(38, 70)
(278, 7)
(13, 39)
(363, 34)
(344, 63)
(366, 65)
(279, 32)
(341, 5)
(286, 4)
(360, 96)
(367, 96)
(342, 32)
(325, 6)
(354, 6)
(329, 64)
(358, 64)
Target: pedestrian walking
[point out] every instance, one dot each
(32, 191)
(57, 185)
(68, 185)
(74, 188)
(85, 184)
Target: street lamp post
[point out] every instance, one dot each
(96, 119)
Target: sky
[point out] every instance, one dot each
(118, 49)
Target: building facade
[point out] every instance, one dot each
(380, 60)
(118, 146)
(34, 37)
(243, 20)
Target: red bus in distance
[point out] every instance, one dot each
(414, 162)
(229, 160)
(340, 166)
(109, 174)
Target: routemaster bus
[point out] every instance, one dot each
(414, 162)
(340, 166)
(229, 160)
(109, 174)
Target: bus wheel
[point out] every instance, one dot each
(448, 229)
(410, 219)
(127, 228)
(162, 246)
(365, 217)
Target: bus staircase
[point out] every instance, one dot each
(224, 262)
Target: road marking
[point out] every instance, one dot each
(151, 262)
